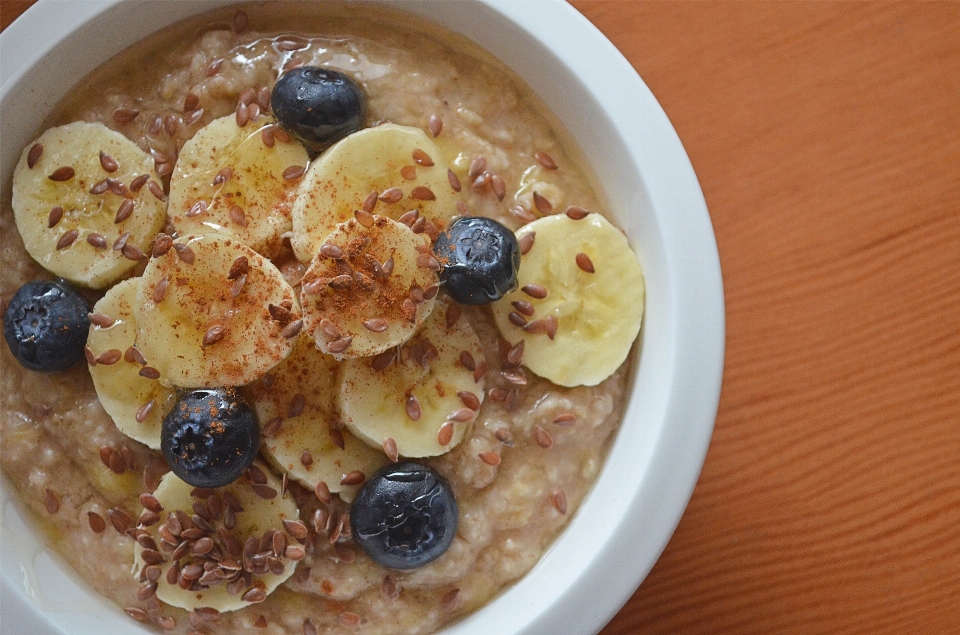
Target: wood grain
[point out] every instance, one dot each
(826, 137)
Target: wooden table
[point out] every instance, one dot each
(826, 137)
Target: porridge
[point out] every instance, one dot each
(304, 286)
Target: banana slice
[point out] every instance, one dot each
(239, 182)
(212, 312)
(205, 564)
(77, 191)
(425, 399)
(399, 163)
(581, 298)
(369, 288)
(300, 396)
(126, 385)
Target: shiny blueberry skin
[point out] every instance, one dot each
(405, 516)
(210, 437)
(480, 259)
(318, 105)
(46, 325)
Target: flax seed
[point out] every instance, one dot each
(109, 357)
(412, 407)
(124, 211)
(490, 458)
(322, 492)
(391, 195)
(272, 426)
(132, 252)
(133, 356)
(51, 501)
(559, 499)
(480, 371)
(149, 372)
(157, 191)
(214, 334)
(409, 172)
(160, 291)
(565, 419)
(481, 181)
(584, 262)
(170, 124)
(194, 117)
(56, 215)
(545, 160)
(422, 193)
(390, 449)
(293, 172)
(144, 411)
(515, 354)
(576, 213)
(137, 183)
(117, 465)
(196, 209)
(36, 151)
(542, 203)
(67, 239)
(551, 326)
(238, 216)
(291, 330)
(476, 166)
(542, 437)
(516, 319)
(185, 253)
(281, 135)
(161, 245)
(535, 291)
(522, 214)
(435, 125)
(422, 158)
(387, 268)
(125, 115)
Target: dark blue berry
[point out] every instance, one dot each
(405, 516)
(46, 325)
(480, 259)
(210, 437)
(318, 105)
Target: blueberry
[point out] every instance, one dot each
(210, 437)
(318, 105)
(480, 259)
(405, 516)
(46, 325)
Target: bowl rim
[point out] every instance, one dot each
(639, 513)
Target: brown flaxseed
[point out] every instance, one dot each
(215, 333)
(100, 320)
(293, 172)
(542, 437)
(535, 291)
(490, 458)
(391, 195)
(185, 253)
(272, 426)
(56, 215)
(542, 203)
(292, 329)
(576, 213)
(445, 433)
(143, 412)
(559, 499)
(125, 115)
(132, 252)
(137, 183)
(109, 357)
(124, 211)
(96, 522)
(162, 245)
(67, 239)
(565, 419)
(157, 191)
(584, 262)
(322, 492)
(160, 291)
(476, 166)
(435, 125)
(36, 151)
(149, 372)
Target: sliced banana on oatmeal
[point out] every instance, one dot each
(393, 169)
(371, 285)
(127, 386)
(239, 182)
(220, 549)
(295, 405)
(87, 203)
(213, 312)
(580, 299)
(420, 398)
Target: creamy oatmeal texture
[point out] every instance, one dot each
(523, 468)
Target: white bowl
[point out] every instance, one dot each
(626, 521)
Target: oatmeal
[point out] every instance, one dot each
(519, 451)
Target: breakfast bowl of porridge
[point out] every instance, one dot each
(321, 317)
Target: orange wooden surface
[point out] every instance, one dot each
(826, 137)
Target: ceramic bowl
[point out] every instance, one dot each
(624, 524)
